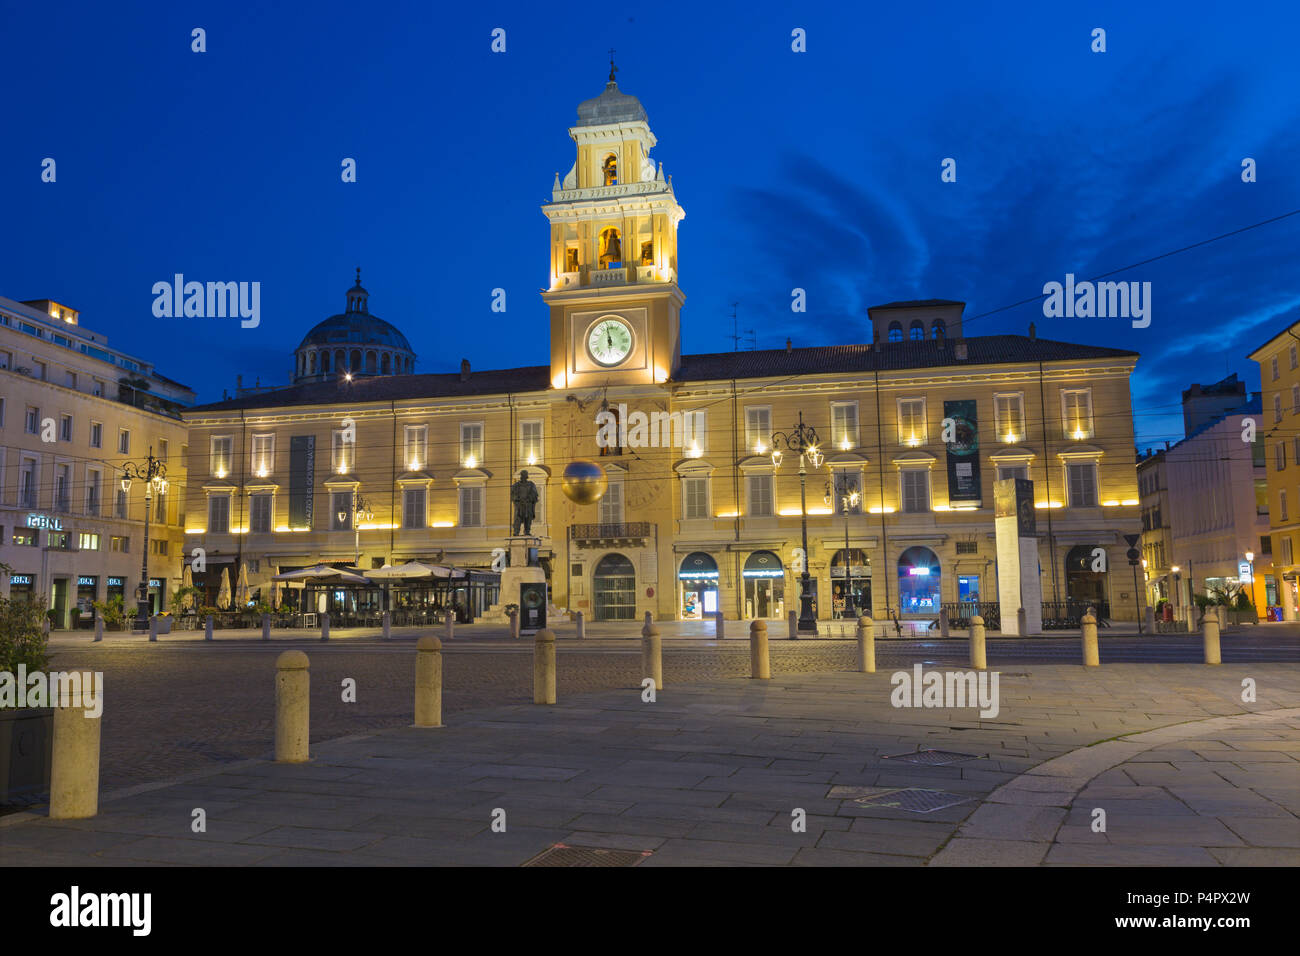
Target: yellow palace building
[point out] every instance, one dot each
(362, 461)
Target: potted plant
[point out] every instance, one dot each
(25, 732)
(112, 612)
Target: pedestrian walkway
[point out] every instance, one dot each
(724, 772)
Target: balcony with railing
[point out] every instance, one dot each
(613, 534)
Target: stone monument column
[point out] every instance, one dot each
(1019, 583)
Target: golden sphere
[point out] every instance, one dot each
(584, 482)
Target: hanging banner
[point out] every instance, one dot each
(963, 447)
(302, 479)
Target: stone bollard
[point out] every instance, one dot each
(99, 627)
(544, 667)
(792, 625)
(207, 629)
(266, 627)
(652, 655)
(74, 765)
(514, 623)
(388, 625)
(943, 622)
(866, 645)
(1022, 627)
(978, 660)
(1150, 616)
(292, 699)
(719, 626)
(451, 623)
(428, 682)
(325, 626)
(1212, 629)
(582, 625)
(1090, 657)
(153, 628)
(760, 666)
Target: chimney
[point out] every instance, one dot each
(959, 351)
(239, 382)
(464, 370)
(1166, 444)
(1033, 332)
(789, 346)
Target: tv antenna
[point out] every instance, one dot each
(739, 335)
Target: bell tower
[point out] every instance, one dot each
(613, 294)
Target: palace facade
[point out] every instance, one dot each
(363, 461)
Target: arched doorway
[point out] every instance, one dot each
(764, 577)
(1086, 566)
(851, 576)
(614, 589)
(697, 589)
(918, 581)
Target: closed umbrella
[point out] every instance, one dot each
(275, 596)
(223, 595)
(241, 588)
(187, 581)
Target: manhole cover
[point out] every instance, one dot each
(916, 800)
(859, 793)
(931, 758)
(562, 855)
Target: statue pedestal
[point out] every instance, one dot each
(518, 572)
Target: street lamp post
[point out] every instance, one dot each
(848, 496)
(1250, 559)
(360, 509)
(153, 472)
(801, 440)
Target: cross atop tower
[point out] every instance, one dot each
(612, 68)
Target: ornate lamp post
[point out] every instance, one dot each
(849, 497)
(153, 473)
(802, 440)
(360, 510)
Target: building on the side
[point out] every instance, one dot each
(1156, 546)
(1278, 429)
(1218, 520)
(1204, 404)
(73, 413)
(916, 425)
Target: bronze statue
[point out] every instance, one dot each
(523, 495)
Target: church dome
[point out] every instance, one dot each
(353, 342)
(612, 106)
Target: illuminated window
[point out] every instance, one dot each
(1076, 412)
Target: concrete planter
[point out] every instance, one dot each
(165, 625)
(26, 736)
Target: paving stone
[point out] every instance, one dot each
(964, 851)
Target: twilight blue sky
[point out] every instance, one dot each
(818, 170)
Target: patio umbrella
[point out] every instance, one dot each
(223, 595)
(241, 588)
(275, 596)
(187, 581)
(322, 574)
(400, 572)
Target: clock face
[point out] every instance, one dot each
(609, 341)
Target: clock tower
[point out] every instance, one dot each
(613, 295)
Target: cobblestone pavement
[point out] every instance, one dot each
(175, 708)
(183, 704)
(714, 772)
